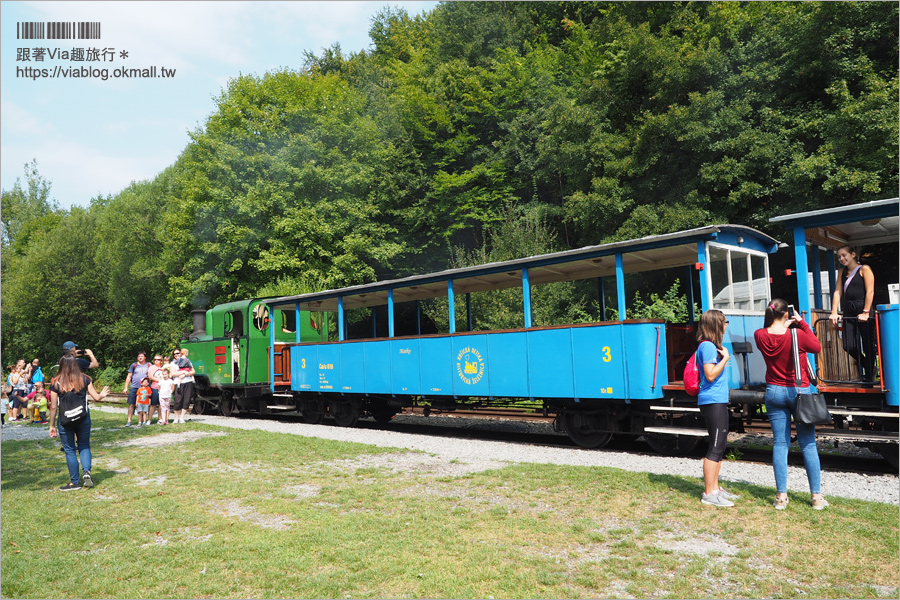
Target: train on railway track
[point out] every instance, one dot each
(598, 379)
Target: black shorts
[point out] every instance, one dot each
(716, 416)
(18, 399)
(132, 396)
(154, 398)
(182, 396)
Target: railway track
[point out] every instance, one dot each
(483, 425)
(625, 443)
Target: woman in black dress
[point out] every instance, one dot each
(854, 295)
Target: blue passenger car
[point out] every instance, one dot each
(598, 378)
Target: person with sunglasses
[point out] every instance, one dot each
(154, 374)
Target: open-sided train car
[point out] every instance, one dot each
(599, 379)
(865, 409)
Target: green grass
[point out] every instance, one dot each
(256, 514)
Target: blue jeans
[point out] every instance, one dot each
(781, 403)
(77, 437)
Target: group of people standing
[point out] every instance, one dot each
(67, 409)
(164, 385)
(774, 342)
(26, 397)
(854, 297)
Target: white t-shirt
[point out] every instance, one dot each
(165, 388)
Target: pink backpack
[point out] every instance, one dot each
(692, 376)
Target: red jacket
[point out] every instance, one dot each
(776, 350)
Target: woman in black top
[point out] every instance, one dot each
(854, 295)
(76, 438)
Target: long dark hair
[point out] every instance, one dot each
(711, 327)
(70, 377)
(775, 311)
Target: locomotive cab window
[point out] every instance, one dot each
(739, 279)
(261, 317)
(234, 324)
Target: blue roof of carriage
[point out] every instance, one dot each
(862, 224)
(642, 254)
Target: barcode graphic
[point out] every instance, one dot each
(58, 30)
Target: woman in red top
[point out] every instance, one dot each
(774, 343)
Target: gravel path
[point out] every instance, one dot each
(880, 488)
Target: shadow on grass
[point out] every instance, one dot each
(41, 464)
(694, 487)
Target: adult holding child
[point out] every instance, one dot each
(184, 385)
(712, 357)
(854, 295)
(775, 344)
(19, 384)
(68, 396)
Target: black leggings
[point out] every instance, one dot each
(716, 416)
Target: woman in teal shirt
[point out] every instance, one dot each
(712, 357)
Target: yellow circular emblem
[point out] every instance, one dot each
(470, 365)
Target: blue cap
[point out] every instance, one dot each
(69, 346)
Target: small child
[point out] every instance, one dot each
(37, 402)
(166, 386)
(142, 402)
(4, 407)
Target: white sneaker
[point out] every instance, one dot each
(715, 499)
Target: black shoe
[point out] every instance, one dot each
(88, 482)
(70, 487)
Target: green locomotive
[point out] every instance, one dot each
(229, 348)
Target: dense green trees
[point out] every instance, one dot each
(477, 131)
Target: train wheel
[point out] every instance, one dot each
(584, 430)
(345, 414)
(226, 405)
(312, 411)
(312, 418)
(200, 406)
(890, 452)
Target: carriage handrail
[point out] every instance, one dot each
(834, 359)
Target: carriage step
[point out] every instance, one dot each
(862, 413)
(281, 407)
(676, 408)
(677, 431)
(859, 436)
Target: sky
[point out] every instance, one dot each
(93, 137)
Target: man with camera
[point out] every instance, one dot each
(71, 349)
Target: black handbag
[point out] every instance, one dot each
(811, 408)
